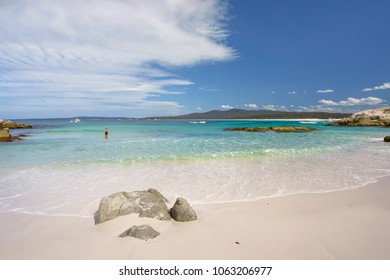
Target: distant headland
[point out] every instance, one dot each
(254, 114)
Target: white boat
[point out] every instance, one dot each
(76, 120)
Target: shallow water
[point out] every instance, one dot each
(65, 168)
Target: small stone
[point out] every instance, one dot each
(143, 232)
(387, 139)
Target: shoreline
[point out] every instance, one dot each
(345, 224)
(81, 186)
(147, 119)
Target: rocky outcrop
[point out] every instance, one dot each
(377, 117)
(13, 125)
(150, 203)
(5, 136)
(5, 126)
(273, 128)
(143, 232)
(182, 211)
(292, 129)
(249, 129)
(387, 139)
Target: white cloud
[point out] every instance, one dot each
(316, 108)
(328, 102)
(325, 91)
(269, 107)
(106, 51)
(226, 107)
(272, 107)
(292, 92)
(384, 86)
(353, 101)
(253, 106)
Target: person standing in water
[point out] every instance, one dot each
(106, 133)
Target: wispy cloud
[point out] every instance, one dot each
(251, 105)
(292, 92)
(384, 86)
(353, 101)
(98, 54)
(226, 107)
(325, 91)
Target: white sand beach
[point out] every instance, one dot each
(352, 224)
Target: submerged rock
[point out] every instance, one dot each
(249, 129)
(182, 211)
(150, 203)
(291, 128)
(143, 232)
(273, 128)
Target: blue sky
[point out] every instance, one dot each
(170, 57)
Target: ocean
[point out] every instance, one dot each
(64, 168)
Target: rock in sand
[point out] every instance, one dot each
(150, 203)
(143, 232)
(182, 211)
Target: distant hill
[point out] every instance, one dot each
(256, 114)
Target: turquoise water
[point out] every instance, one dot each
(64, 168)
(62, 142)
